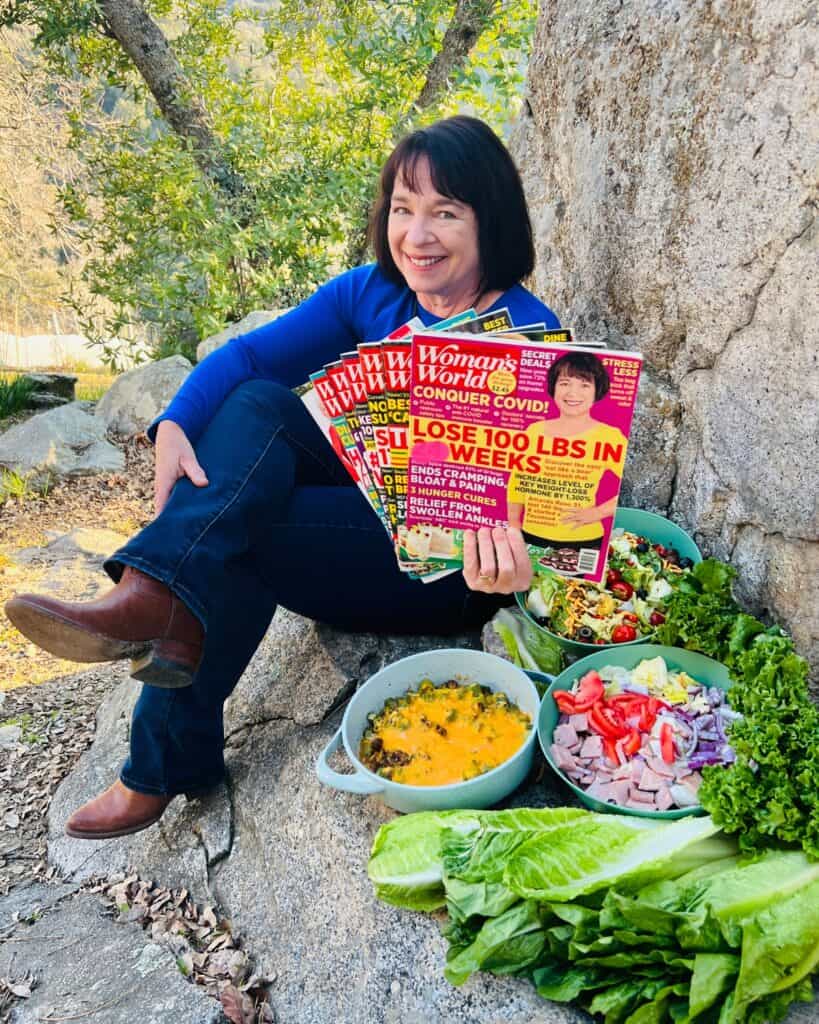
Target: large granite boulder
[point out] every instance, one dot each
(258, 318)
(286, 858)
(63, 442)
(136, 398)
(670, 157)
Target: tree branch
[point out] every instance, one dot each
(145, 43)
(469, 20)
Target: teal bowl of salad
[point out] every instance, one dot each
(629, 729)
(648, 557)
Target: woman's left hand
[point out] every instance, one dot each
(496, 561)
(580, 517)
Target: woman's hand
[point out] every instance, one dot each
(581, 516)
(496, 561)
(175, 458)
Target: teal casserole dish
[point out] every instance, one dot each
(466, 666)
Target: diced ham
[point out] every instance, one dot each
(619, 791)
(579, 722)
(692, 781)
(563, 759)
(592, 747)
(622, 771)
(658, 765)
(640, 796)
(600, 791)
(650, 780)
(636, 772)
(638, 805)
(565, 735)
(664, 799)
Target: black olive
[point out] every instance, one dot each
(642, 593)
(541, 620)
(685, 563)
(642, 547)
(584, 633)
(672, 556)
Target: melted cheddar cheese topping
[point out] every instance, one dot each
(443, 734)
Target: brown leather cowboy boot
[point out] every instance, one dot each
(139, 618)
(118, 811)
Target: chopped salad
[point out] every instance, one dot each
(640, 578)
(638, 738)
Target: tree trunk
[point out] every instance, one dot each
(469, 20)
(145, 43)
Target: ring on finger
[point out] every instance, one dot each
(486, 579)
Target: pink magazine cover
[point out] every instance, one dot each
(504, 432)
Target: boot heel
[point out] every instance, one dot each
(157, 669)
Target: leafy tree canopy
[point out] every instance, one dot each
(304, 105)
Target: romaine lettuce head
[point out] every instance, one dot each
(405, 862)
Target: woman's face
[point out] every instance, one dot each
(433, 239)
(574, 395)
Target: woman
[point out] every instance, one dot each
(254, 509)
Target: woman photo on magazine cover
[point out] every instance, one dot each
(254, 509)
(564, 507)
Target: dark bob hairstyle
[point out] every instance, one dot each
(467, 162)
(583, 365)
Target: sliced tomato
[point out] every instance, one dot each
(630, 618)
(565, 701)
(667, 743)
(613, 576)
(629, 699)
(590, 691)
(632, 743)
(610, 751)
(608, 721)
(647, 718)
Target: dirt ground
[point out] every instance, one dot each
(121, 502)
(48, 706)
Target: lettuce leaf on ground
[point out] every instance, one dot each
(405, 863)
(610, 850)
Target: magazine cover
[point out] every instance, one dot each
(504, 432)
(360, 421)
(322, 401)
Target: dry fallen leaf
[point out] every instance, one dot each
(234, 1003)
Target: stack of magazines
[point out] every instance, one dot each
(476, 422)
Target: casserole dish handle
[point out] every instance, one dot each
(356, 783)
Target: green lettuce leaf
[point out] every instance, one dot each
(527, 646)
(780, 948)
(405, 863)
(481, 853)
(713, 976)
(576, 860)
(504, 944)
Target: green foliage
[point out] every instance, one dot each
(14, 395)
(311, 103)
(12, 485)
(771, 792)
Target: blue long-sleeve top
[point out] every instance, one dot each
(357, 306)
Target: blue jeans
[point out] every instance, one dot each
(278, 523)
